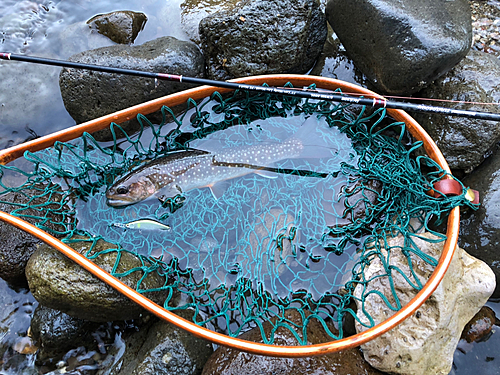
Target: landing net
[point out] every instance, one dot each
(295, 234)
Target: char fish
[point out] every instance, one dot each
(181, 171)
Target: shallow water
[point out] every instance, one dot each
(30, 99)
(31, 105)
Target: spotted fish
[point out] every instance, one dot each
(179, 172)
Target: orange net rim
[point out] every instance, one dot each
(196, 93)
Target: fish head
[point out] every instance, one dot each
(130, 190)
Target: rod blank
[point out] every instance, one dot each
(307, 94)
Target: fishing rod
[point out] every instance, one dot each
(307, 94)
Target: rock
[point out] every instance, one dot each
(226, 361)
(193, 11)
(425, 342)
(465, 143)
(59, 283)
(88, 95)
(480, 230)
(121, 27)
(18, 246)
(401, 46)
(480, 325)
(161, 348)
(263, 37)
(56, 332)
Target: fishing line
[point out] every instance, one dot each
(379, 102)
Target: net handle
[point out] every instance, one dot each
(256, 348)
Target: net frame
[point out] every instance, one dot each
(172, 100)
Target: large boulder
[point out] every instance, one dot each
(263, 37)
(61, 284)
(480, 230)
(465, 142)
(88, 94)
(425, 342)
(401, 46)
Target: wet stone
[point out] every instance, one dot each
(401, 46)
(480, 326)
(227, 361)
(59, 283)
(263, 37)
(121, 27)
(56, 332)
(88, 95)
(465, 142)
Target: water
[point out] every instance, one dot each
(31, 105)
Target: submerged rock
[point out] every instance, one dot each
(227, 361)
(465, 142)
(401, 46)
(61, 284)
(121, 27)
(161, 348)
(480, 229)
(88, 95)
(425, 342)
(263, 37)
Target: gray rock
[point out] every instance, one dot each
(88, 95)
(480, 230)
(121, 27)
(161, 348)
(401, 46)
(59, 283)
(226, 361)
(56, 332)
(263, 37)
(465, 143)
(425, 342)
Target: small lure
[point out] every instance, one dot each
(143, 224)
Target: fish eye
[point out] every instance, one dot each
(122, 190)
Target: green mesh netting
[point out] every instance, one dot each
(296, 233)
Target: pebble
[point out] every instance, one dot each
(486, 26)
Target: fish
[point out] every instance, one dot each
(181, 171)
(143, 224)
